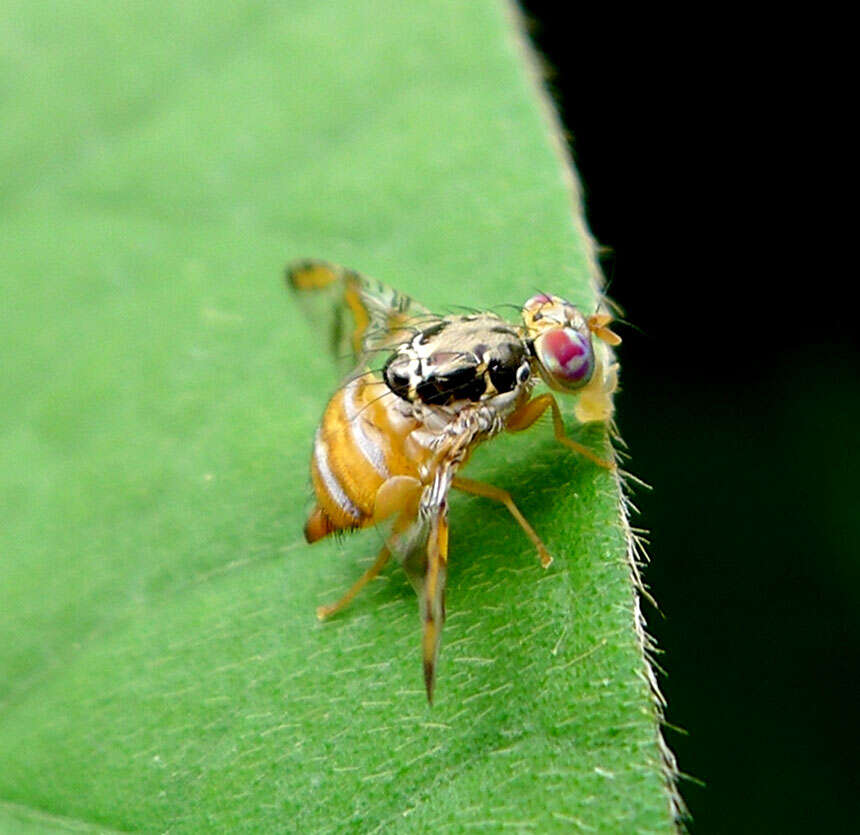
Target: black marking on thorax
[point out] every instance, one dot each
(461, 358)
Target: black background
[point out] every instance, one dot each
(740, 405)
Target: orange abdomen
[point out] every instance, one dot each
(360, 443)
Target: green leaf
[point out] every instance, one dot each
(161, 667)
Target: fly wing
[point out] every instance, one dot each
(362, 316)
(422, 548)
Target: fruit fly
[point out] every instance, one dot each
(424, 391)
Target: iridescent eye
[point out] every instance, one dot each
(566, 355)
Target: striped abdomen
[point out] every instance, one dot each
(362, 441)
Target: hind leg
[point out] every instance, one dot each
(398, 495)
(326, 611)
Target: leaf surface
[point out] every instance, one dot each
(161, 667)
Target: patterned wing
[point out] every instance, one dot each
(420, 544)
(362, 316)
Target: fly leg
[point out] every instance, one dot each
(400, 495)
(529, 412)
(326, 611)
(488, 491)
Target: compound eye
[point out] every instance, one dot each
(566, 355)
(396, 374)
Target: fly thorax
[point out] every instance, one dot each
(460, 361)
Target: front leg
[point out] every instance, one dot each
(529, 412)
